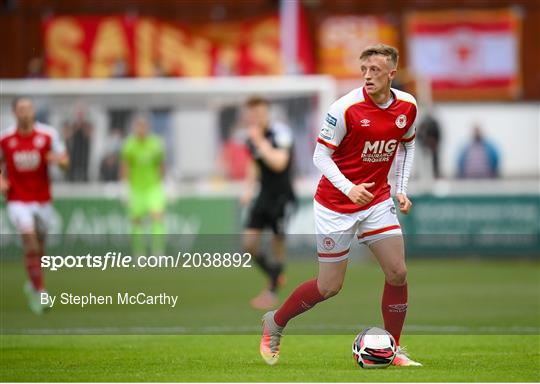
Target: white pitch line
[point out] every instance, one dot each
(422, 329)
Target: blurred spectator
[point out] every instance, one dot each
(109, 168)
(479, 159)
(114, 141)
(35, 68)
(77, 134)
(429, 136)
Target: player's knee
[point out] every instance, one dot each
(250, 245)
(397, 276)
(329, 289)
(30, 242)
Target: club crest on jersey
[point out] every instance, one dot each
(365, 122)
(39, 141)
(401, 121)
(328, 243)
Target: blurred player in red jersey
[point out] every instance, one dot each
(362, 134)
(26, 150)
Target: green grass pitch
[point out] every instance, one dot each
(468, 321)
(235, 358)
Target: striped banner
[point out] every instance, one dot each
(466, 54)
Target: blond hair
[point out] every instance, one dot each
(391, 53)
(255, 101)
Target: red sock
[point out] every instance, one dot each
(304, 297)
(33, 267)
(394, 308)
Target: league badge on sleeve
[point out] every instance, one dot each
(328, 130)
(331, 119)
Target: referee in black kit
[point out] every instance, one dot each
(270, 144)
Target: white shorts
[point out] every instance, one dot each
(30, 216)
(335, 231)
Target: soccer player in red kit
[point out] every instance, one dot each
(26, 150)
(362, 134)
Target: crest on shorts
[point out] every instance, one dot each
(401, 121)
(328, 243)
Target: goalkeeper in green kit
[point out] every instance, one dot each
(143, 168)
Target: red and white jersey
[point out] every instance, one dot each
(26, 163)
(365, 138)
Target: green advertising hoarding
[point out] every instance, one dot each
(483, 225)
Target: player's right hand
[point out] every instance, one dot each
(360, 195)
(255, 133)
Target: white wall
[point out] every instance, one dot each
(195, 141)
(512, 127)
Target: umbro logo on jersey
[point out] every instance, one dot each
(365, 122)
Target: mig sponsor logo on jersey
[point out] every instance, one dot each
(379, 151)
(26, 160)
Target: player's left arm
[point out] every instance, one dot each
(58, 154)
(404, 163)
(275, 158)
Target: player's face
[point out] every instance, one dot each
(140, 128)
(258, 115)
(377, 72)
(24, 112)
